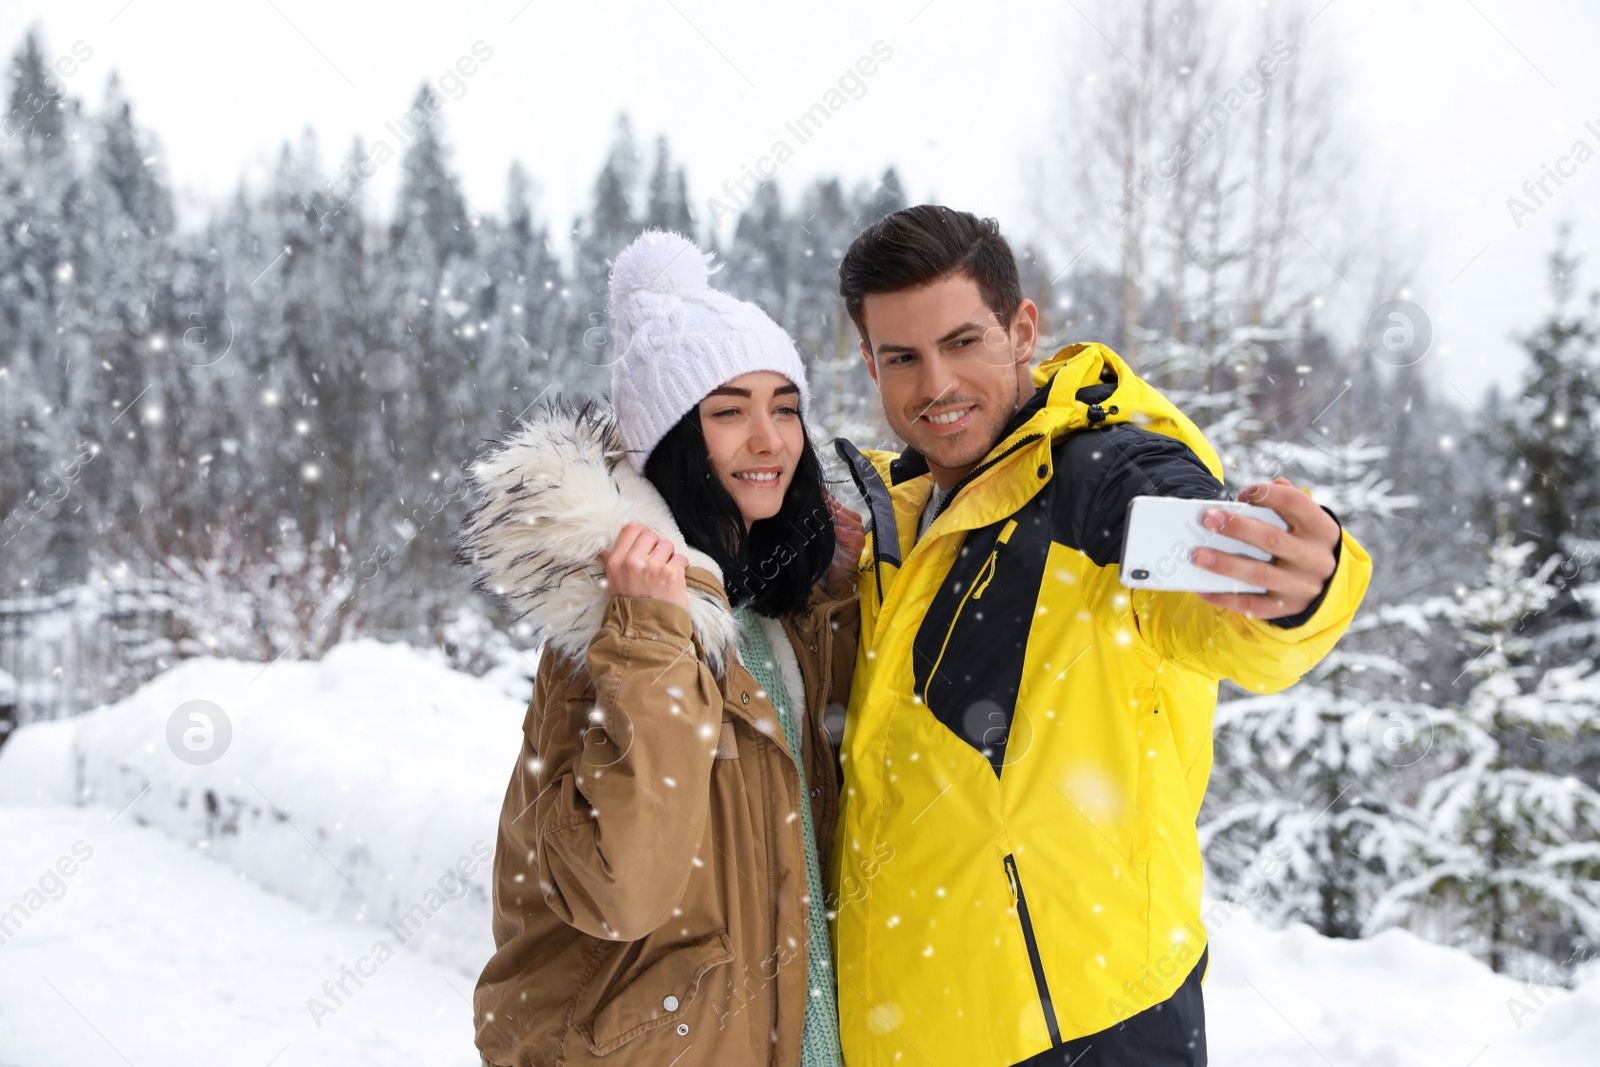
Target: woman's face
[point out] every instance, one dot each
(754, 439)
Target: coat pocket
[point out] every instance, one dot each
(660, 994)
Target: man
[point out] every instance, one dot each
(1028, 741)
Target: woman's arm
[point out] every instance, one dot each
(834, 609)
(834, 606)
(625, 763)
(621, 772)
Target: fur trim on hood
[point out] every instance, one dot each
(552, 496)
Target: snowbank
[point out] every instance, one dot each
(37, 764)
(366, 785)
(1276, 998)
(137, 949)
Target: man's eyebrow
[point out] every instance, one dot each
(951, 336)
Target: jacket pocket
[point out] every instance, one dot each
(660, 994)
(981, 582)
(1034, 959)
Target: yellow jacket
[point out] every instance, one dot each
(1028, 741)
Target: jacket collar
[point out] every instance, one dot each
(551, 496)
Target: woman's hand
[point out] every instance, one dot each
(641, 564)
(850, 538)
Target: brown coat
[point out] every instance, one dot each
(650, 893)
(654, 852)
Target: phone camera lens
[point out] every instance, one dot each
(1139, 574)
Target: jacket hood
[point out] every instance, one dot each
(1090, 385)
(550, 497)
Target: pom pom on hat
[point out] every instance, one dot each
(677, 339)
(660, 262)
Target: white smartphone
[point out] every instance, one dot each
(1163, 531)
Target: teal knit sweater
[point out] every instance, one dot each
(819, 1044)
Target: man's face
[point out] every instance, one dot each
(949, 372)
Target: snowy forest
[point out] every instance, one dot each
(249, 439)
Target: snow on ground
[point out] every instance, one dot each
(155, 911)
(1292, 998)
(153, 953)
(353, 785)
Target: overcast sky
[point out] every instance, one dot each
(1455, 103)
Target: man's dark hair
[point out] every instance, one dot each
(773, 566)
(919, 245)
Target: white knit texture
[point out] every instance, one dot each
(677, 339)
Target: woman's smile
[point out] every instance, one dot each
(761, 477)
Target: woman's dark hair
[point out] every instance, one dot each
(773, 566)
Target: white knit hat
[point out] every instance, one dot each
(677, 339)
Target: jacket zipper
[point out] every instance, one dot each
(1033, 951)
(975, 592)
(979, 469)
(991, 565)
(877, 572)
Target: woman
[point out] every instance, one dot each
(663, 847)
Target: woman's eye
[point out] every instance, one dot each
(724, 411)
(788, 411)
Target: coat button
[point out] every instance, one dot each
(683, 1028)
(744, 698)
(816, 791)
(671, 1003)
(813, 648)
(1043, 470)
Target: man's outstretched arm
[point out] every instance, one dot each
(1262, 641)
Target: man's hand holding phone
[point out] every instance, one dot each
(1288, 549)
(1302, 556)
